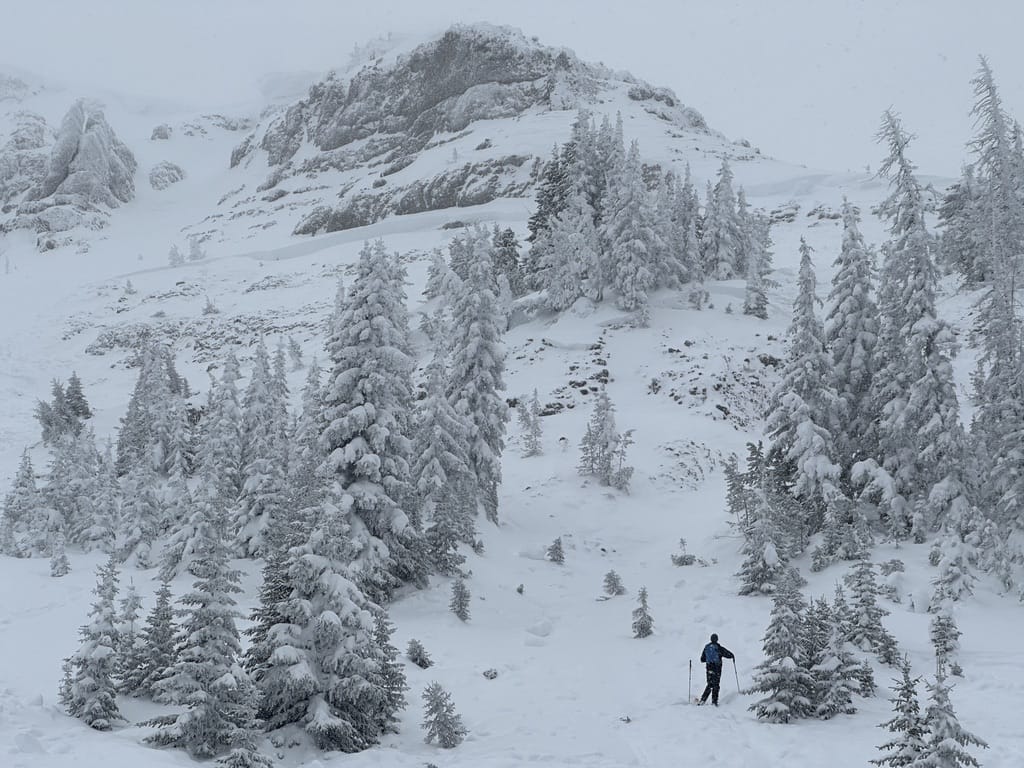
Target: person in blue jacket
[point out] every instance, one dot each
(712, 656)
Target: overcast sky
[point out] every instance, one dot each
(805, 80)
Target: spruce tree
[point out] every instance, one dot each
(555, 553)
(643, 623)
(722, 237)
(21, 501)
(59, 565)
(907, 725)
(89, 693)
(866, 630)
(613, 584)
(459, 603)
(75, 397)
(946, 740)
(155, 652)
(206, 676)
(417, 654)
(440, 720)
(602, 450)
(367, 416)
(475, 380)
(530, 425)
(783, 675)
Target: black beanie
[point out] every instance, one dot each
(714, 638)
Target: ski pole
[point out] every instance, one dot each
(737, 676)
(689, 684)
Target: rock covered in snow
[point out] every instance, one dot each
(23, 159)
(165, 173)
(161, 132)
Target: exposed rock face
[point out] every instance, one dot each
(386, 116)
(88, 164)
(86, 172)
(163, 174)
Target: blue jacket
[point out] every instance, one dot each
(723, 653)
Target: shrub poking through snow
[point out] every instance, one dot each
(682, 557)
(643, 624)
(555, 553)
(459, 604)
(418, 655)
(440, 720)
(613, 584)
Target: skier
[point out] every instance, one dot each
(712, 656)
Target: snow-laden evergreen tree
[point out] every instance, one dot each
(441, 279)
(603, 447)
(139, 437)
(128, 641)
(633, 241)
(866, 630)
(417, 654)
(506, 258)
(755, 301)
(643, 623)
(571, 265)
(956, 576)
(206, 677)
(957, 217)
(945, 637)
(919, 469)
(175, 257)
(441, 474)
(722, 236)
(800, 412)
(835, 672)
(391, 674)
(530, 425)
(155, 650)
(946, 740)
(142, 516)
(59, 565)
(323, 663)
(90, 694)
(784, 676)
(613, 586)
(907, 725)
(58, 417)
(75, 398)
(367, 412)
(555, 552)
(476, 379)
(305, 484)
(220, 454)
(685, 237)
(459, 603)
(440, 720)
(264, 459)
(770, 537)
(20, 505)
(851, 328)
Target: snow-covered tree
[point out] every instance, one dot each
(907, 746)
(722, 238)
(784, 676)
(476, 381)
(142, 518)
(459, 603)
(74, 395)
(206, 676)
(155, 650)
(643, 623)
(613, 586)
(220, 454)
(555, 552)
(835, 672)
(628, 227)
(945, 637)
(866, 630)
(530, 425)
(417, 654)
(571, 265)
(367, 416)
(90, 694)
(21, 504)
(59, 565)
(440, 720)
(602, 449)
(946, 740)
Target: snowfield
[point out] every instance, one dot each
(573, 687)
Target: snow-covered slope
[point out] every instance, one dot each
(573, 687)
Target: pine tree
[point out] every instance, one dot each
(175, 257)
(128, 639)
(835, 672)
(946, 740)
(75, 398)
(613, 584)
(721, 241)
(555, 553)
(866, 630)
(459, 603)
(755, 301)
(570, 265)
(907, 725)
(59, 565)
(155, 652)
(602, 450)
(476, 381)
(89, 692)
(643, 624)
(206, 676)
(506, 258)
(323, 662)
(141, 516)
(21, 503)
(851, 329)
(945, 637)
(799, 417)
(440, 720)
(530, 425)
(391, 674)
(367, 413)
(783, 676)
(418, 655)
(220, 455)
(920, 439)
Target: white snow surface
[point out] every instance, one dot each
(573, 687)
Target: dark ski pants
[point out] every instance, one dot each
(714, 682)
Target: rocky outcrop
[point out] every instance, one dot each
(163, 174)
(23, 159)
(87, 172)
(388, 115)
